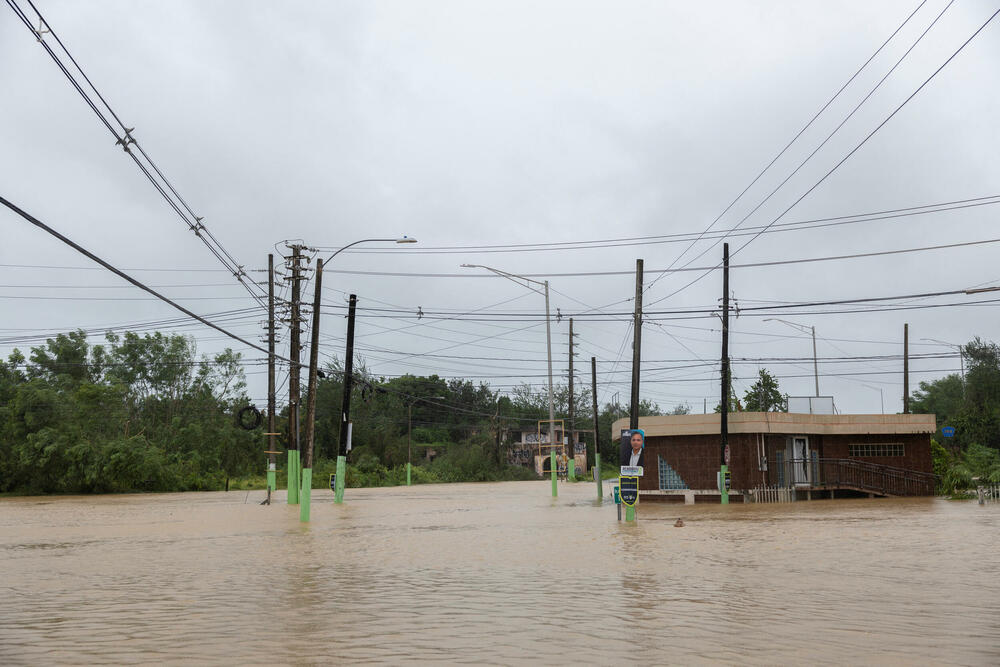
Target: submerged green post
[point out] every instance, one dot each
(723, 491)
(552, 465)
(629, 513)
(306, 496)
(571, 470)
(408, 473)
(272, 479)
(338, 495)
(600, 482)
(293, 477)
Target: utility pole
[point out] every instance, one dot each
(271, 402)
(571, 447)
(345, 410)
(906, 369)
(724, 418)
(306, 495)
(294, 349)
(597, 439)
(633, 417)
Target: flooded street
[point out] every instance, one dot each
(496, 573)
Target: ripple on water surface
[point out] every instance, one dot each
(498, 573)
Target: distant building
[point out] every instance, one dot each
(811, 455)
(529, 449)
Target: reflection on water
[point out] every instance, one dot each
(498, 573)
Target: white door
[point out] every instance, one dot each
(800, 460)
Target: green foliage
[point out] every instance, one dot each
(141, 413)
(976, 465)
(941, 459)
(764, 395)
(943, 397)
(971, 406)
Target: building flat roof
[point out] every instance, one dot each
(783, 423)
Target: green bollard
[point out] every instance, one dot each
(629, 513)
(600, 482)
(272, 478)
(723, 492)
(338, 495)
(408, 473)
(571, 470)
(293, 477)
(552, 465)
(306, 496)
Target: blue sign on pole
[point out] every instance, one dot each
(948, 431)
(629, 490)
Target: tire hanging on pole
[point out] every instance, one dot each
(249, 418)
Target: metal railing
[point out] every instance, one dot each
(769, 494)
(988, 494)
(822, 473)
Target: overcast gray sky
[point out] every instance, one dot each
(501, 123)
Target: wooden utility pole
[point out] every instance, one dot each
(294, 351)
(345, 412)
(906, 369)
(571, 452)
(597, 439)
(306, 495)
(313, 368)
(271, 401)
(633, 417)
(723, 464)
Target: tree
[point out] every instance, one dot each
(764, 395)
(943, 397)
(972, 406)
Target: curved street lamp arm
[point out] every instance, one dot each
(510, 276)
(356, 243)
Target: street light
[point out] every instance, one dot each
(881, 395)
(803, 328)
(345, 414)
(961, 355)
(404, 239)
(513, 277)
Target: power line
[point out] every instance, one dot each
(834, 132)
(41, 225)
(853, 150)
(127, 140)
(681, 237)
(684, 269)
(793, 140)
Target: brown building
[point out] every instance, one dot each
(809, 455)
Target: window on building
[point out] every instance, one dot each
(669, 479)
(872, 449)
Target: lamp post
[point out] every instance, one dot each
(513, 277)
(402, 239)
(881, 394)
(803, 328)
(342, 460)
(961, 355)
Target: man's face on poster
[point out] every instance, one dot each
(636, 443)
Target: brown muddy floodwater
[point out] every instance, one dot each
(495, 573)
